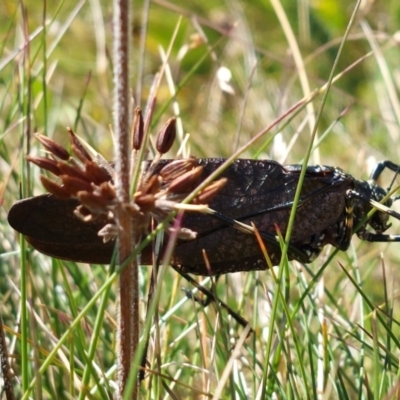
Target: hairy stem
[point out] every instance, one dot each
(128, 328)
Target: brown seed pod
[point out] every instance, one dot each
(53, 147)
(77, 147)
(166, 136)
(45, 163)
(94, 202)
(207, 194)
(152, 186)
(95, 173)
(137, 129)
(73, 185)
(53, 188)
(72, 170)
(107, 191)
(176, 168)
(186, 182)
(145, 202)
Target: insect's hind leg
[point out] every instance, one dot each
(210, 298)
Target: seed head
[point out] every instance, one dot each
(160, 192)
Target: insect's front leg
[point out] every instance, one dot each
(377, 237)
(362, 232)
(379, 168)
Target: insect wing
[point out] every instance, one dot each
(259, 192)
(50, 226)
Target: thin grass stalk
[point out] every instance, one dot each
(45, 114)
(128, 318)
(379, 315)
(64, 338)
(375, 357)
(24, 105)
(89, 365)
(361, 335)
(300, 67)
(142, 51)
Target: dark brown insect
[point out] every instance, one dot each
(332, 205)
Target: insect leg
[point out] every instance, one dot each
(375, 204)
(209, 298)
(376, 173)
(377, 237)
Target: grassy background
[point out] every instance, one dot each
(334, 343)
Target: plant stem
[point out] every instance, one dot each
(128, 328)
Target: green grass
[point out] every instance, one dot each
(329, 328)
